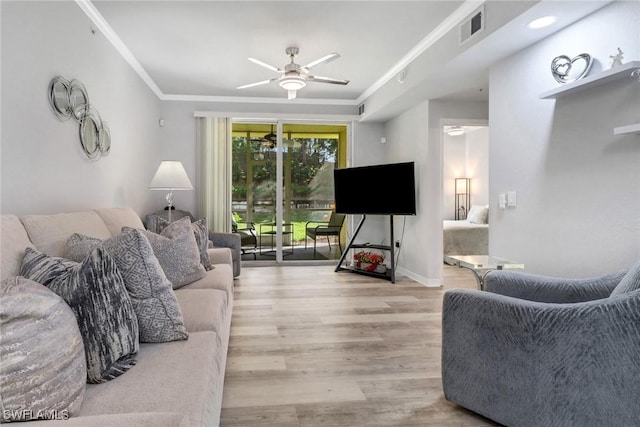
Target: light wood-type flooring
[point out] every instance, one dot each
(311, 347)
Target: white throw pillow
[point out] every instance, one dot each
(478, 214)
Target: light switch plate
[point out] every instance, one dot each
(511, 198)
(502, 200)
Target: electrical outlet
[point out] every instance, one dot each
(397, 243)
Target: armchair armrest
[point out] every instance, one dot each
(225, 240)
(529, 363)
(550, 289)
(231, 241)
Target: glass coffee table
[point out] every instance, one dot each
(480, 265)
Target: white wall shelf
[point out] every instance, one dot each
(606, 76)
(629, 129)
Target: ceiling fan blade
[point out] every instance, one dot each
(321, 79)
(327, 58)
(292, 94)
(263, 82)
(265, 65)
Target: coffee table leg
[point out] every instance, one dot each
(480, 276)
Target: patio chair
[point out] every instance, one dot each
(248, 238)
(315, 229)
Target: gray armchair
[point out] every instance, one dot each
(221, 240)
(539, 351)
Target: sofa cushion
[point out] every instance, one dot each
(155, 304)
(176, 249)
(180, 376)
(220, 278)
(13, 241)
(204, 309)
(630, 282)
(42, 361)
(49, 233)
(96, 293)
(116, 218)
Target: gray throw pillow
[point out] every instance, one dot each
(200, 232)
(95, 292)
(155, 304)
(630, 282)
(177, 251)
(43, 373)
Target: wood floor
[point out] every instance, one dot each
(310, 347)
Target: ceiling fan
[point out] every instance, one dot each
(269, 141)
(294, 77)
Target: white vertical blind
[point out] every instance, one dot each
(213, 171)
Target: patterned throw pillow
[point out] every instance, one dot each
(43, 373)
(177, 251)
(95, 292)
(155, 304)
(201, 233)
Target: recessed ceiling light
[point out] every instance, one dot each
(545, 21)
(456, 131)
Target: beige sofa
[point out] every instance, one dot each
(173, 384)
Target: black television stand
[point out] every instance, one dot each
(390, 274)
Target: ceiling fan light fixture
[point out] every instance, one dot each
(292, 82)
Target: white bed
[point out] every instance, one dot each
(467, 237)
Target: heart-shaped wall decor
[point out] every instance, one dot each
(565, 69)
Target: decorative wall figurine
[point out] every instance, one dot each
(70, 99)
(616, 60)
(565, 69)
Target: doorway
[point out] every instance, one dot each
(282, 177)
(465, 179)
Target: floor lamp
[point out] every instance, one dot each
(170, 176)
(463, 197)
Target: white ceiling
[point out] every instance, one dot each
(200, 48)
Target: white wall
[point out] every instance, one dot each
(43, 167)
(408, 140)
(477, 164)
(578, 185)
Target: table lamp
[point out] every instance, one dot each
(170, 176)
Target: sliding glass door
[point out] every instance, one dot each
(283, 187)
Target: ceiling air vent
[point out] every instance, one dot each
(472, 25)
(361, 109)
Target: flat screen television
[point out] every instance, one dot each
(387, 189)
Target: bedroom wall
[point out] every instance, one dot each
(578, 185)
(465, 156)
(43, 167)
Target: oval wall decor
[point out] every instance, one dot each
(70, 99)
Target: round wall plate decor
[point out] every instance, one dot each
(78, 98)
(59, 97)
(104, 141)
(90, 132)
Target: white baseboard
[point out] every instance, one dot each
(425, 281)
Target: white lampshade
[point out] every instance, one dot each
(170, 176)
